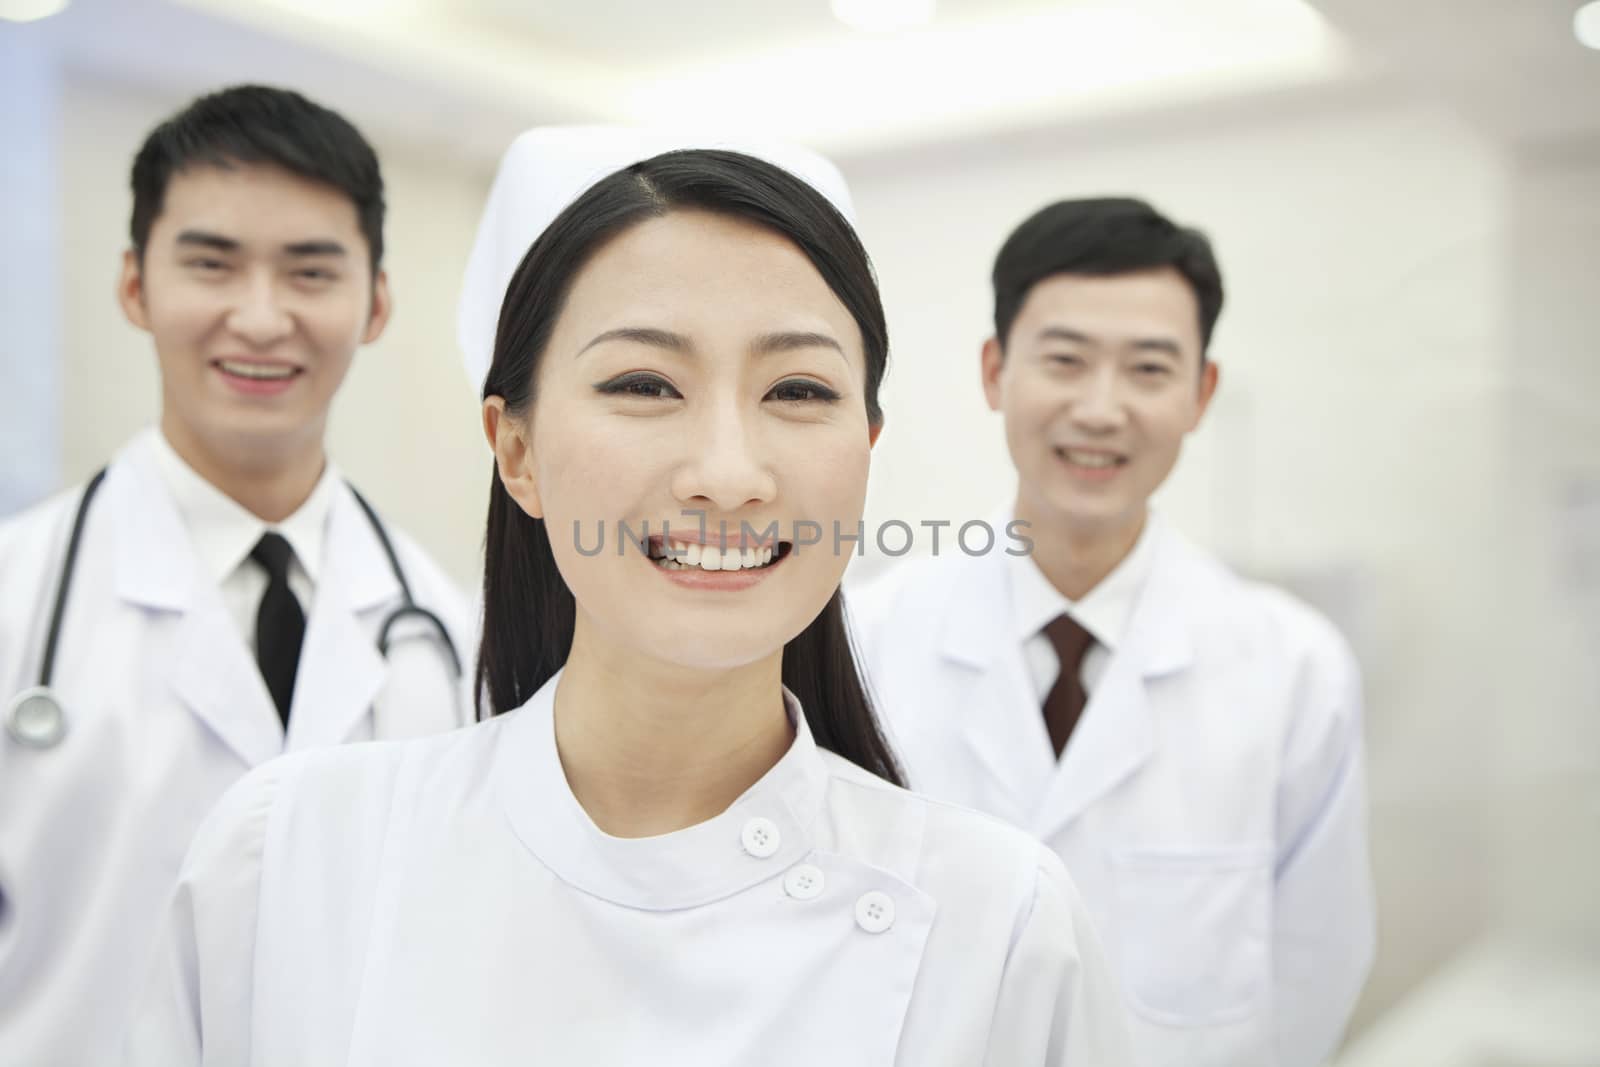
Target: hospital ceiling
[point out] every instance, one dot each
(466, 75)
(1512, 67)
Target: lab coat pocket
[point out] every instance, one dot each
(1193, 932)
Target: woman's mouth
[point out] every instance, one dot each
(695, 556)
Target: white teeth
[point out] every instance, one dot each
(1089, 459)
(260, 371)
(711, 558)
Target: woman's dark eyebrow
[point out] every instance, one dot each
(766, 344)
(643, 335)
(789, 341)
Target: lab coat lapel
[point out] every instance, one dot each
(219, 681)
(987, 680)
(156, 566)
(341, 670)
(1116, 736)
(156, 569)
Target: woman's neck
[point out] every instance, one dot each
(649, 747)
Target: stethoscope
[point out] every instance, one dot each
(35, 716)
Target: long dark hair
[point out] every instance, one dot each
(528, 611)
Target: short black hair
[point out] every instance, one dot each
(1102, 236)
(254, 124)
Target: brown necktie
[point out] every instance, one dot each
(1065, 701)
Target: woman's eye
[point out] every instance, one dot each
(800, 391)
(648, 386)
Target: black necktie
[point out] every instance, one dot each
(1064, 703)
(280, 623)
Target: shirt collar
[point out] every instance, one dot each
(1104, 611)
(684, 869)
(223, 531)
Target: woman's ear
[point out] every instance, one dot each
(511, 440)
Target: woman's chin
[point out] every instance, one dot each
(718, 647)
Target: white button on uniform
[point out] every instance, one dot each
(875, 912)
(760, 837)
(803, 882)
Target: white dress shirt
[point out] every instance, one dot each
(224, 533)
(1104, 611)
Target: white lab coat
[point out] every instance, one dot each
(447, 900)
(1210, 804)
(165, 710)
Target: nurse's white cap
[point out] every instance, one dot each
(546, 169)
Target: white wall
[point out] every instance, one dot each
(405, 424)
(1547, 831)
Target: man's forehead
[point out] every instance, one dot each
(1112, 304)
(253, 203)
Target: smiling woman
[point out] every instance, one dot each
(713, 342)
(680, 818)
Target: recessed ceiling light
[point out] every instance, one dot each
(30, 10)
(1586, 24)
(883, 16)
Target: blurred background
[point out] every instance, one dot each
(1405, 197)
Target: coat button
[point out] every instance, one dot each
(803, 882)
(760, 837)
(875, 912)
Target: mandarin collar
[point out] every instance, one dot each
(768, 829)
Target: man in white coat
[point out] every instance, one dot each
(1187, 741)
(229, 592)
